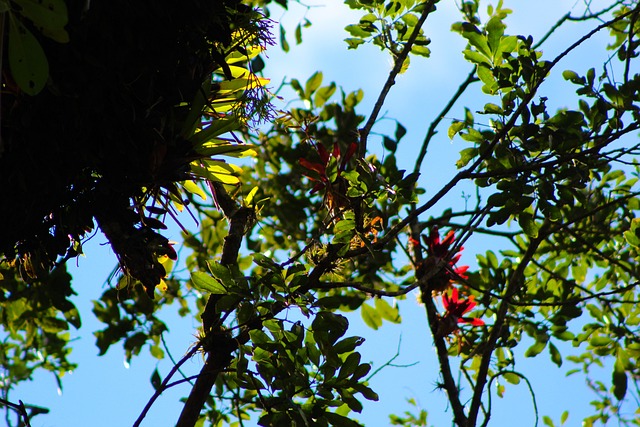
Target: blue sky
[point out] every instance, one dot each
(105, 392)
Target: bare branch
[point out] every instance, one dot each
(431, 132)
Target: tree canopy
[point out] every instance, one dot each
(118, 116)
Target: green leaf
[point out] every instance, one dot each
(508, 44)
(535, 349)
(387, 312)
(493, 109)
(476, 57)
(212, 131)
(410, 19)
(323, 94)
(466, 156)
(371, 317)
(354, 42)
(52, 324)
(631, 236)
(283, 39)
(347, 345)
(249, 198)
(205, 283)
(156, 380)
(556, 357)
(27, 61)
(312, 84)
(48, 14)
(455, 127)
(619, 379)
(528, 224)
(564, 417)
(340, 421)
(329, 327)
(400, 131)
(476, 38)
(421, 51)
(298, 34)
(194, 188)
(349, 365)
(157, 352)
(366, 392)
(573, 77)
(215, 170)
(221, 273)
(389, 144)
(486, 75)
(512, 378)
(495, 30)
(357, 31)
(600, 341)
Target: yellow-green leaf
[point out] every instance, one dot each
(215, 129)
(370, 316)
(250, 196)
(217, 148)
(387, 311)
(194, 188)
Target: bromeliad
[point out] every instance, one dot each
(456, 308)
(327, 175)
(437, 252)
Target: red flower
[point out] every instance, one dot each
(457, 308)
(437, 251)
(325, 157)
(335, 190)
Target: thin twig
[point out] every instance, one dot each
(391, 80)
(431, 132)
(163, 386)
(533, 395)
(390, 362)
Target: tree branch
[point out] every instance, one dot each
(514, 284)
(219, 344)
(399, 61)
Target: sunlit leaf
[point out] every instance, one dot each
(205, 283)
(194, 188)
(371, 317)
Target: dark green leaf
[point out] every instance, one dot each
(556, 357)
(156, 380)
(619, 379)
(28, 63)
(535, 349)
(340, 421)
